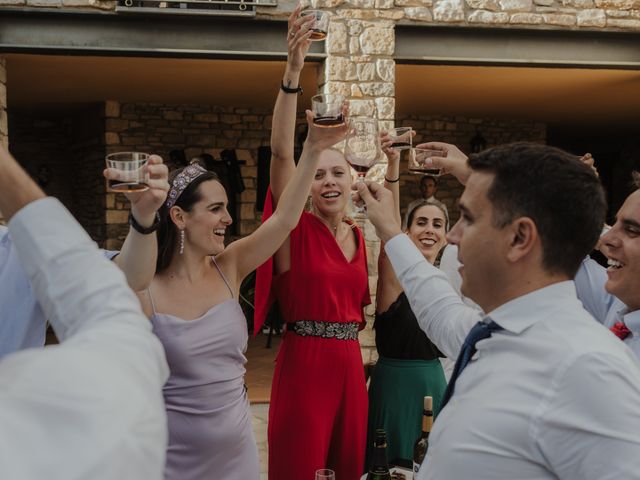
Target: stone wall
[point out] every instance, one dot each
(159, 128)
(62, 150)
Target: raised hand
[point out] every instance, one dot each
(392, 154)
(323, 138)
(145, 204)
(452, 161)
(298, 39)
(380, 208)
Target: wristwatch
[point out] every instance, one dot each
(144, 230)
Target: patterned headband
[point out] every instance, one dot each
(182, 181)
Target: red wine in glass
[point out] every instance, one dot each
(329, 121)
(318, 34)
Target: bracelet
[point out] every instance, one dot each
(144, 230)
(391, 181)
(298, 89)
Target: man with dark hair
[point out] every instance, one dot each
(612, 296)
(539, 390)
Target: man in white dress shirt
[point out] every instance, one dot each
(549, 393)
(91, 407)
(612, 296)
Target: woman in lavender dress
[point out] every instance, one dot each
(192, 303)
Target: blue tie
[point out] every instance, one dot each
(480, 331)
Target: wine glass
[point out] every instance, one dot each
(362, 148)
(325, 474)
(320, 26)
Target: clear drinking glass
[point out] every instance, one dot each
(419, 156)
(401, 138)
(129, 170)
(327, 110)
(325, 474)
(321, 25)
(362, 148)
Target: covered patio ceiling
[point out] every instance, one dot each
(575, 95)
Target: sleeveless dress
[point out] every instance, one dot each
(318, 409)
(210, 432)
(408, 369)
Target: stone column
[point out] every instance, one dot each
(360, 65)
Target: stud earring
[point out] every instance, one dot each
(181, 242)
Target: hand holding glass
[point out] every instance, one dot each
(327, 110)
(401, 138)
(127, 172)
(320, 27)
(418, 158)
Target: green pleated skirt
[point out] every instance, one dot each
(396, 395)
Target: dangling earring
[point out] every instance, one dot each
(181, 242)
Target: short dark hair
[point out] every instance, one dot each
(562, 195)
(167, 230)
(635, 175)
(424, 178)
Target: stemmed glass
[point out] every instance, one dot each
(325, 474)
(362, 148)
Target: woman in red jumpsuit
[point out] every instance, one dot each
(318, 409)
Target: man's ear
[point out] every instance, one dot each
(523, 238)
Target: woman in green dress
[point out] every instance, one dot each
(408, 368)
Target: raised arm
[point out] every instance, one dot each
(389, 288)
(438, 308)
(248, 253)
(284, 113)
(137, 258)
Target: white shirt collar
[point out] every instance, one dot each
(521, 313)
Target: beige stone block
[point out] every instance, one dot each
(578, 3)
(516, 5)
(3, 95)
(526, 19)
(563, 19)
(366, 72)
(630, 23)
(544, 3)
(615, 4)
(44, 3)
(249, 196)
(117, 216)
(414, 3)
(378, 89)
(619, 13)
(377, 41)
(4, 123)
(116, 125)
(338, 88)
(592, 17)
(111, 138)
(386, 69)
(12, 3)
(491, 5)
(384, 4)
(340, 68)
(111, 109)
(448, 11)
(355, 27)
(3, 70)
(354, 46)
(337, 39)
(247, 211)
(386, 108)
(361, 3)
(361, 108)
(418, 13)
(385, 125)
(488, 18)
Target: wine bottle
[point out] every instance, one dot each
(379, 469)
(422, 443)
